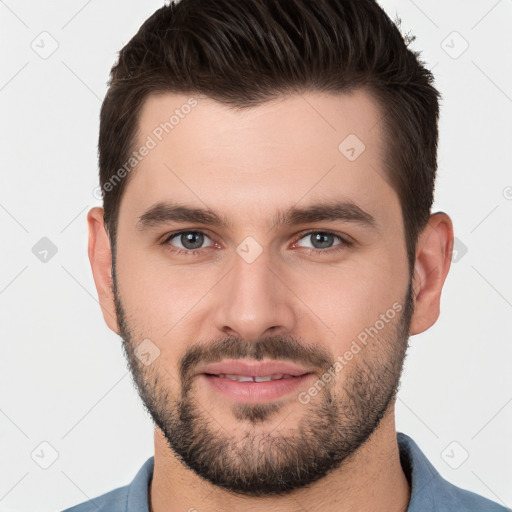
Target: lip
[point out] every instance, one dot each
(253, 369)
(213, 375)
(257, 392)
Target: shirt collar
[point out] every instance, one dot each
(422, 476)
(137, 499)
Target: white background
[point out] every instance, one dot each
(63, 375)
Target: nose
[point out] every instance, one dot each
(254, 300)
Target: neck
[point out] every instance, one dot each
(371, 479)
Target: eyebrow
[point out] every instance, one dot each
(331, 211)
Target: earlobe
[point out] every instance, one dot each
(433, 260)
(100, 257)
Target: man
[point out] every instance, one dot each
(265, 249)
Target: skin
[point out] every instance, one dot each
(248, 165)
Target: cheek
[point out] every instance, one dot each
(344, 300)
(163, 299)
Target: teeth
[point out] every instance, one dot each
(239, 378)
(246, 378)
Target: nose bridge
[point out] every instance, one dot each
(252, 299)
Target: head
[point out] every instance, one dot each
(279, 211)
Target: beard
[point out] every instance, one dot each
(332, 426)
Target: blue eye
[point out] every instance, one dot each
(188, 241)
(322, 239)
(191, 243)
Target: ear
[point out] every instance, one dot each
(433, 260)
(100, 256)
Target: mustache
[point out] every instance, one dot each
(278, 347)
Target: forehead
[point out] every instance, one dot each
(302, 147)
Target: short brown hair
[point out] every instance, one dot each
(245, 52)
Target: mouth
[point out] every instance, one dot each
(252, 378)
(251, 382)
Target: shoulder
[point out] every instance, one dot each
(132, 497)
(430, 491)
(113, 501)
(471, 502)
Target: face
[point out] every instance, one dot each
(266, 238)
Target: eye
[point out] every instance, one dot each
(191, 243)
(322, 240)
(188, 241)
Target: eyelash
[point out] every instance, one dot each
(194, 252)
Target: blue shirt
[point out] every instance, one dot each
(429, 491)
